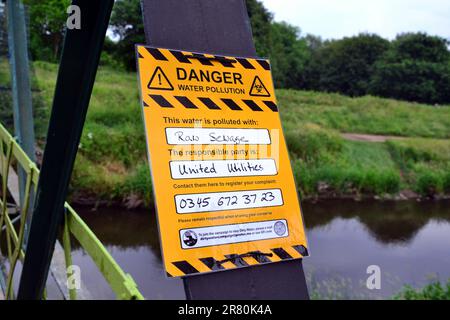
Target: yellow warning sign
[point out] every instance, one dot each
(223, 184)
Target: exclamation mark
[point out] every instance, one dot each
(159, 78)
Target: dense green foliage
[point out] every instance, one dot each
(47, 22)
(416, 68)
(282, 43)
(126, 24)
(413, 67)
(288, 56)
(346, 66)
(432, 291)
(261, 20)
(40, 107)
(425, 163)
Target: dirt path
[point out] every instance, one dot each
(368, 137)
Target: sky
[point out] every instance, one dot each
(334, 19)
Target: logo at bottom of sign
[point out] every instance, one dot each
(235, 233)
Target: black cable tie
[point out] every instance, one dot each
(253, 254)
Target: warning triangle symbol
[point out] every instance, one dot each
(258, 88)
(159, 81)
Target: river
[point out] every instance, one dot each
(409, 241)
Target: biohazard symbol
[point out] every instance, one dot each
(258, 89)
(159, 81)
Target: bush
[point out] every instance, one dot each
(446, 181)
(343, 180)
(412, 80)
(303, 179)
(346, 65)
(288, 56)
(415, 68)
(261, 20)
(107, 59)
(96, 178)
(425, 163)
(428, 183)
(309, 141)
(432, 291)
(126, 23)
(6, 110)
(138, 183)
(100, 143)
(381, 182)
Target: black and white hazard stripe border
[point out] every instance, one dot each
(205, 59)
(212, 104)
(184, 267)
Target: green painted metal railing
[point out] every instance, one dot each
(11, 154)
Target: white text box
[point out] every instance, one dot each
(233, 233)
(219, 201)
(222, 168)
(188, 136)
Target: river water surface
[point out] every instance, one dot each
(409, 241)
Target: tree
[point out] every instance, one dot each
(280, 42)
(289, 55)
(261, 20)
(420, 47)
(345, 66)
(416, 68)
(313, 42)
(47, 25)
(126, 23)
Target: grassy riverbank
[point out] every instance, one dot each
(416, 159)
(111, 163)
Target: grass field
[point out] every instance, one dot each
(111, 163)
(366, 114)
(326, 163)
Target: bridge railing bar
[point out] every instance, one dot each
(18, 251)
(121, 283)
